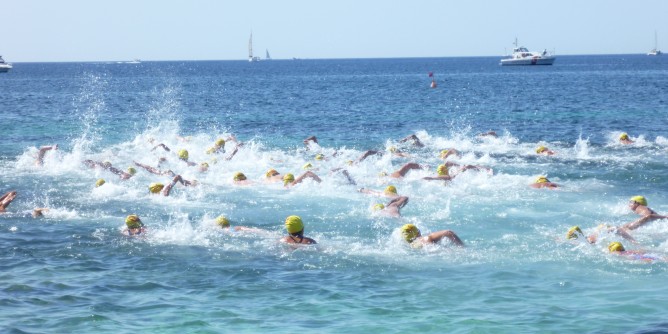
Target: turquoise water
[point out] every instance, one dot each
(73, 270)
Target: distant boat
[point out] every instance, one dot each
(655, 51)
(268, 57)
(4, 67)
(522, 56)
(250, 50)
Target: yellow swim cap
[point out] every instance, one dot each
(574, 232)
(155, 187)
(542, 179)
(640, 200)
(307, 166)
(541, 149)
(410, 232)
(294, 224)
(132, 171)
(616, 247)
(99, 182)
(239, 176)
(183, 154)
(319, 156)
(271, 173)
(442, 170)
(382, 174)
(444, 153)
(204, 165)
(391, 190)
(223, 221)
(349, 162)
(378, 206)
(393, 149)
(133, 221)
(210, 150)
(288, 178)
(624, 136)
(220, 143)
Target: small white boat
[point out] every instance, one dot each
(655, 51)
(4, 67)
(522, 56)
(250, 50)
(268, 57)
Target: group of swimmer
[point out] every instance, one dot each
(295, 226)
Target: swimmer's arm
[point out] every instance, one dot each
(369, 192)
(398, 202)
(640, 222)
(42, 152)
(161, 145)
(401, 172)
(437, 236)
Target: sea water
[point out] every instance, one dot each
(74, 271)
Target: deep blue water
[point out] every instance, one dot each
(73, 271)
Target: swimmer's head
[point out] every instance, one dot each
(183, 154)
(393, 149)
(541, 149)
(133, 221)
(220, 143)
(542, 179)
(294, 224)
(410, 232)
(223, 222)
(444, 153)
(442, 170)
(574, 233)
(203, 166)
(640, 200)
(307, 166)
(616, 246)
(239, 176)
(624, 136)
(131, 171)
(106, 164)
(99, 183)
(288, 178)
(271, 173)
(390, 190)
(382, 174)
(349, 162)
(319, 156)
(378, 207)
(155, 187)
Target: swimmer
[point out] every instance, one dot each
(448, 152)
(542, 150)
(390, 191)
(7, 199)
(412, 235)
(624, 139)
(157, 187)
(273, 176)
(401, 172)
(42, 151)
(218, 146)
(289, 180)
(576, 233)
(240, 179)
(442, 174)
(224, 223)
(415, 141)
(638, 204)
(295, 228)
(617, 248)
(488, 134)
(393, 208)
(543, 182)
(311, 139)
(134, 226)
(345, 173)
(108, 166)
(182, 154)
(154, 170)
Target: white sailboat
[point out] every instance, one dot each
(250, 50)
(655, 51)
(268, 57)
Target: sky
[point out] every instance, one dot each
(119, 30)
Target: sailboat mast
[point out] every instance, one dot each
(250, 47)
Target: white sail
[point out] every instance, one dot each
(250, 49)
(268, 57)
(655, 51)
